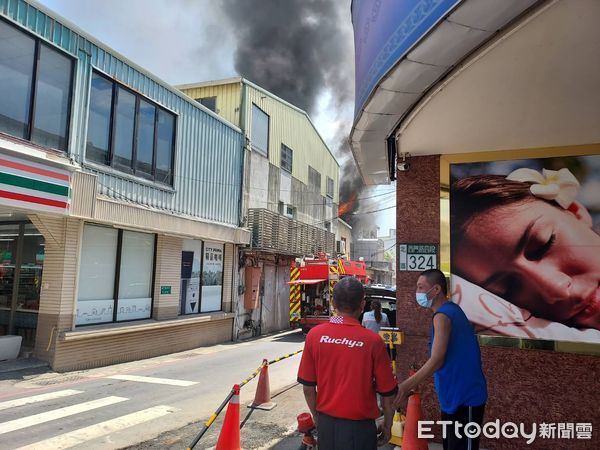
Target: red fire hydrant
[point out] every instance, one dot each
(306, 426)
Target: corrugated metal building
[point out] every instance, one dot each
(120, 201)
(290, 190)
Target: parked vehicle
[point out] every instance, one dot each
(387, 297)
(311, 287)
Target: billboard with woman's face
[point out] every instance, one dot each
(525, 246)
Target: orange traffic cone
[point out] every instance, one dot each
(229, 439)
(410, 439)
(262, 399)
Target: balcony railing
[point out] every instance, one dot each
(280, 234)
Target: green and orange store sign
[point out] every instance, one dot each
(32, 185)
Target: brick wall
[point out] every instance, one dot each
(102, 350)
(524, 385)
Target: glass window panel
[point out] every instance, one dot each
(52, 99)
(212, 277)
(260, 130)
(32, 261)
(98, 133)
(286, 158)
(17, 53)
(30, 283)
(191, 263)
(95, 299)
(124, 124)
(164, 147)
(209, 102)
(329, 187)
(314, 178)
(135, 279)
(8, 248)
(145, 137)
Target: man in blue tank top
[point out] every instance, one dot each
(455, 363)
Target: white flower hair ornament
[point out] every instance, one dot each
(560, 186)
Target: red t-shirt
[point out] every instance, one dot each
(348, 364)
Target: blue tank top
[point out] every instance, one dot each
(460, 381)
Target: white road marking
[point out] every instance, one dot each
(38, 398)
(83, 435)
(55, 414)
(153, 380)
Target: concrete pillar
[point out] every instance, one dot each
(418, 221)
(59, 281)
(167, 274)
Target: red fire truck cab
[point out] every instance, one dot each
(311, 287)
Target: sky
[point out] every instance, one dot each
(301, 50)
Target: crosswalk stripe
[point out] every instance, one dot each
(83, 435)
(38, 398)
(153, 380)
(48, 416)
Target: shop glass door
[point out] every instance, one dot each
(21, 263)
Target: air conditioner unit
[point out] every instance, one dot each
(340, 246)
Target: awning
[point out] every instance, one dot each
(416, 45)
(306, 281)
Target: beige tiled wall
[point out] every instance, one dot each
(112, 348)
(58, 292)
(167, 273)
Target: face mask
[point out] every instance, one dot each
(422, 299)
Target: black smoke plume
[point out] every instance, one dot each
(294, 48)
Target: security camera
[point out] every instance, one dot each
(403, 166)
(402, 163)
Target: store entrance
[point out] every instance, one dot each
(21, 263)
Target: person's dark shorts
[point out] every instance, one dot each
(463, 415)
(345, 434)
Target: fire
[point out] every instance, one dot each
(347, 206)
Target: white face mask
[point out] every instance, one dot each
(422, 299)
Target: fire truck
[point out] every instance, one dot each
(311, 287)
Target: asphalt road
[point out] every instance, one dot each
(127, 404)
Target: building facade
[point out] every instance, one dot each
(473, 99)
(290, 193)
(343, 239)
(120, 202)
(372, 252)
(389, 253)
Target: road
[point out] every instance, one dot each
(125, 404)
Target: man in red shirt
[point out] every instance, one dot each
(343, 366)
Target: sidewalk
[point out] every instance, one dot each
(22, 366)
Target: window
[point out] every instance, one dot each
(314, 179)
(145, 139)
(260, 131)
(164, 147)
(209, 102)
(290, 212)
(287, 156)
(135, 276)
(35, 88)
(130, 133)
(329, 187)
(201, 277)
(98, 135)
(212, 277)
(115, 275)
(124, 127)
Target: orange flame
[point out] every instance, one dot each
(347, 206)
